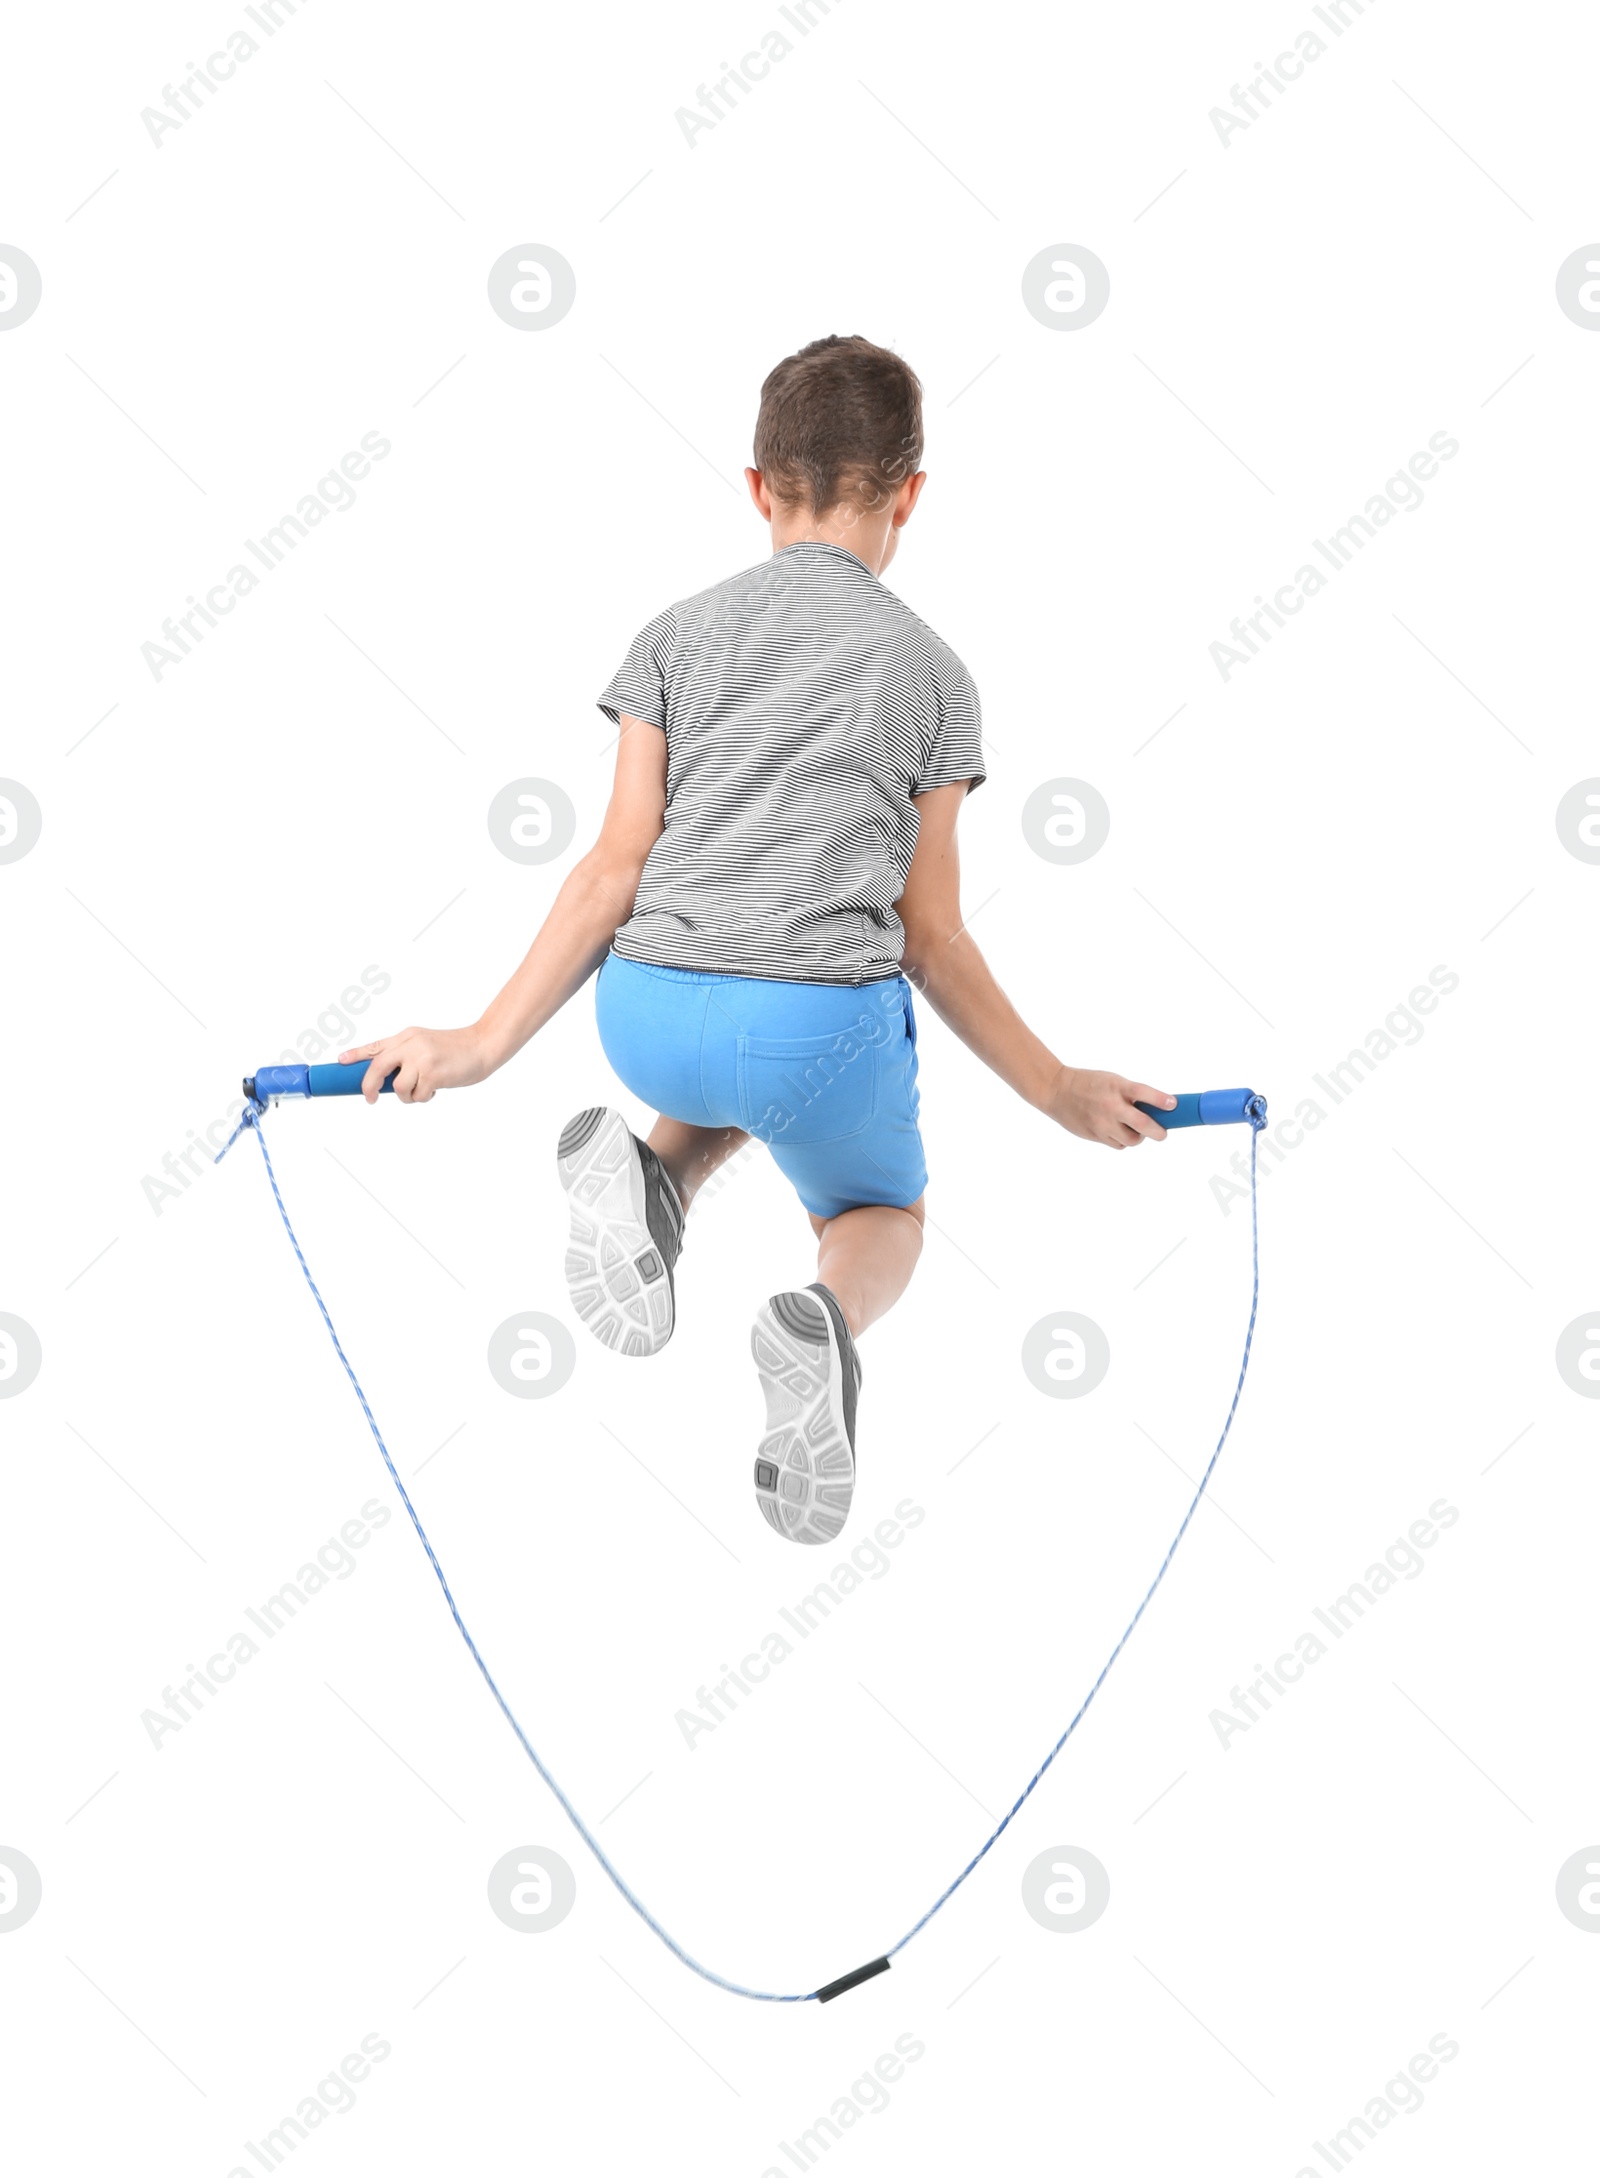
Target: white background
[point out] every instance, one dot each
(226, 849)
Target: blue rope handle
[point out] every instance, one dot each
(250, 1121)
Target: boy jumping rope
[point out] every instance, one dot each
(776, 868)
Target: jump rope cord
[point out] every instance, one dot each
(250, 1120)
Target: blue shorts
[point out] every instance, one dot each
(824, 1073)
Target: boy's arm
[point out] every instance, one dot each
(596, 899)
(946, 966)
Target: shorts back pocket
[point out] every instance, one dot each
(799, 1090)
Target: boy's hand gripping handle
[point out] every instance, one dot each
(268, 1084)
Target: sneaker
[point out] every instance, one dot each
(627, 1232)
(811, 1374)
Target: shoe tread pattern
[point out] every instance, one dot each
(805, 1466)
(619, 1283)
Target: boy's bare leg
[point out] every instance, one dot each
(692, 1154)
(865, 1258)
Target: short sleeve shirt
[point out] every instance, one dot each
(805, 706)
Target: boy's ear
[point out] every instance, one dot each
(906, 498)
(759, 493)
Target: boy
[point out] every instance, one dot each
(777, 860)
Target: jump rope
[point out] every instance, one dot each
(1208, 1108)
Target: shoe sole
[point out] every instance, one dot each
(805, 1471)
(619, 1284)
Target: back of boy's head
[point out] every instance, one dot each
(840, 422)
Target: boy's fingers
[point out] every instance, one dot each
(1143, 1128)
(1141, 1092)
(361, 1051)
(373, 1079)
(408, 1084)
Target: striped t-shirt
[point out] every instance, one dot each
(804, 706)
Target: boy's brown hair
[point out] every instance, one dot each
(840, 420)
